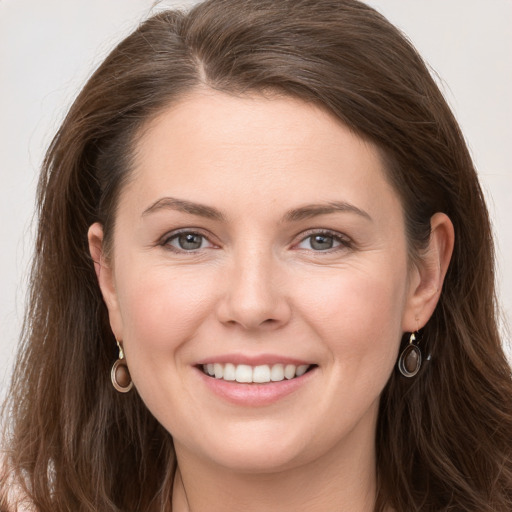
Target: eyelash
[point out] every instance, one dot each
(176, 234)
(344, 241)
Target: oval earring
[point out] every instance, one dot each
(409, 362)
(119, 374)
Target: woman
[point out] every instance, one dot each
(263, 280)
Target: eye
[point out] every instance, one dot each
(323, 241)
(187, 241)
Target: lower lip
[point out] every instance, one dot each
(254, 395)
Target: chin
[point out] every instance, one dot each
(258, 461)
(253, 451)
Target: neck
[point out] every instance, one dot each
(342, 480)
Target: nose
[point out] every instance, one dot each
(253, 295)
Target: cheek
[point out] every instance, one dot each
(162, 308)
(358, 319)
(358, 314)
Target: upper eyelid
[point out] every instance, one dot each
(345, 241)
(323, 231)
(196, 231)
(165, 240)
(298, 238)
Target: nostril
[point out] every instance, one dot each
(252, 302)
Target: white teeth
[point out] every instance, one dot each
(218, 370)
(289, 371)
(243, 373)
(277, 373)
(301, 370)
(229, 372)
(260, 374)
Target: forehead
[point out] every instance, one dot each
(211, 144)
(261, 121)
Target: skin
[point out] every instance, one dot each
(257, 285)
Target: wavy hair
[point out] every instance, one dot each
(443, 438)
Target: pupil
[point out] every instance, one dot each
(190, 241)
(322, 242)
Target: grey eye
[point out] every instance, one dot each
(321, 242)
(187, 241)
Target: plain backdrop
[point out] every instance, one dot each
(49, 48)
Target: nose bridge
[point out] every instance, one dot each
(253, 297)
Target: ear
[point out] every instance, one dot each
(427, 276)
(105, 275)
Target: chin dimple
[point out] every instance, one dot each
(260, 374)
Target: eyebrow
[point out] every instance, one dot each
(314, 210)
(181, 205)
(295, 215)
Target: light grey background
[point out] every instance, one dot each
(48, 49)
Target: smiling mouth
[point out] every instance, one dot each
(261, 374)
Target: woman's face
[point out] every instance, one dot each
(259, 238)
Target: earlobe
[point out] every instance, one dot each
(430, 271)
(104, 274)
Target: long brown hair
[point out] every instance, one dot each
(443, 438)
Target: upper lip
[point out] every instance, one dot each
(253, 359)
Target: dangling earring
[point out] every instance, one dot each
(120, 375)
(409, 362)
